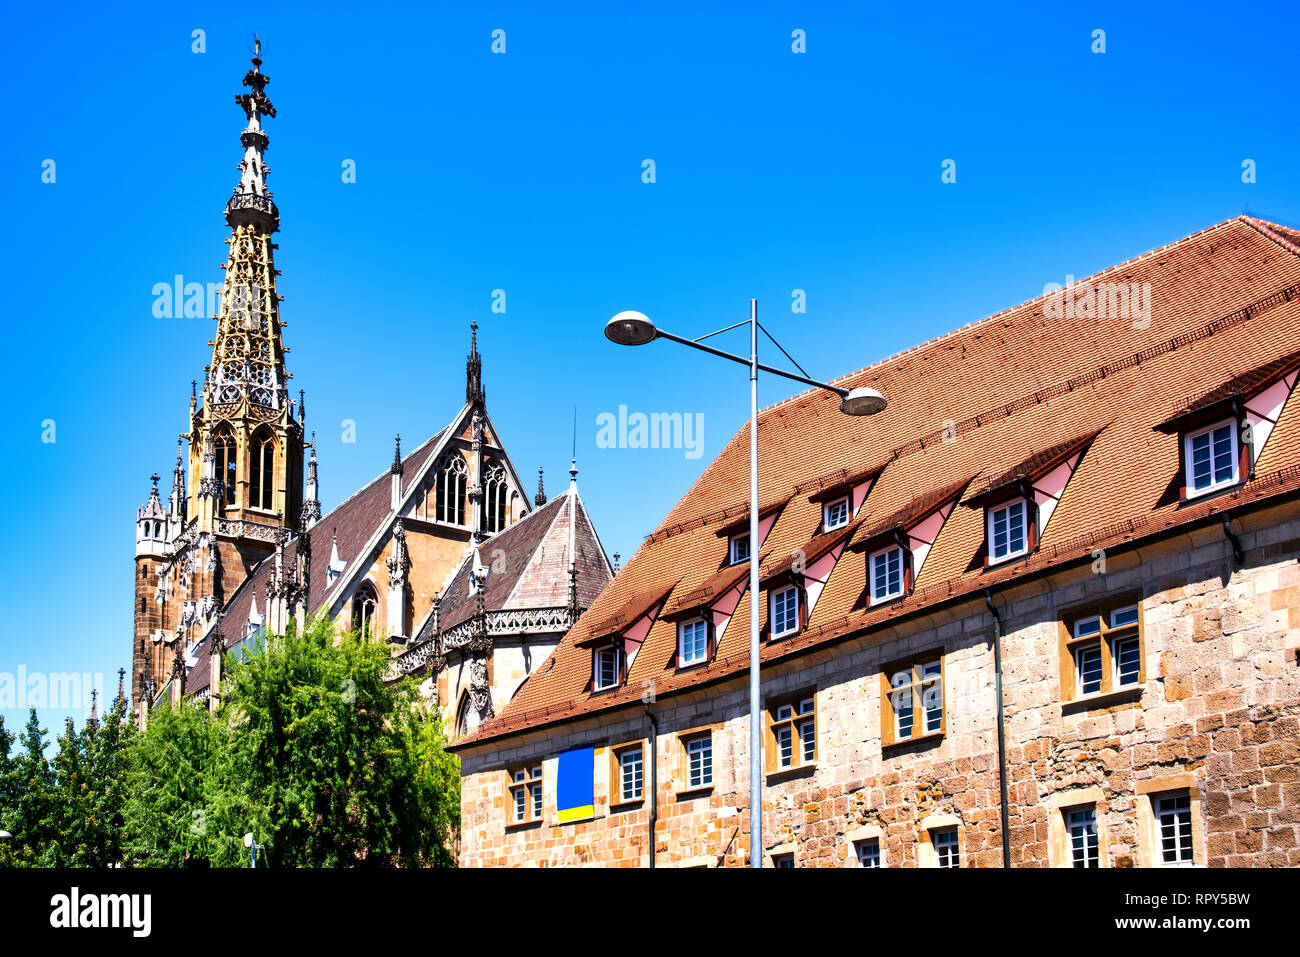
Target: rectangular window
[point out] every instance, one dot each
(783, 861)
(835, 514)
(607, 670)
(1104, 648)
(1174, 826)
(630, 774)
(785, 611)
(1081, 824)
(1087, 663)
(868, 852)
(699, 762)
(912, 705)
(739, 548)
(1210, 458)
(692, 642)
(1008, 530)
(886, 574)
(792, 727)
(947, 850)
(526, 794)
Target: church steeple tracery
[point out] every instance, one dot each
(245, 396)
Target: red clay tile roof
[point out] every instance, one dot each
(1243, 386)
(1224, 302)
(636, 605)
(915, 511)
(1031, 468)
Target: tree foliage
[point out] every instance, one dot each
(311, 751)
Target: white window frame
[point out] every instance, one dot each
(944, 832)
(633, 752)
(827, 524)
(1158, 814)
(733, 549)
(596, 658)
(865, 842)
(700, 743)
(682, 661)
(1189, 468)
(1090, 854)
(902, 574)
(1023, 504)
(771, 610)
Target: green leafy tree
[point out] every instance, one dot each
(326, 763)
(8, 790)
(165, 814)
(30, 791)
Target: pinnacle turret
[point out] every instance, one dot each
(474, 394)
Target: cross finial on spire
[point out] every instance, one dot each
(154, 478)
(397, 456)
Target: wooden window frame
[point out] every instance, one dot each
(1106, 638)
(888, 734)
(1031, 528)
(1240, 461)
(795, 721)
(533, 808)
(616, 798)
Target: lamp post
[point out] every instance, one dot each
(635, 329)
(250, 843)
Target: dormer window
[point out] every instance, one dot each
(739, 551)
(607, 668)
(886, 571)
(692, 642)
(1008, 530)
(784, 611)
(835, 514)
(1211, 458)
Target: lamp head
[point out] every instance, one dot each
(248, 840)
(862, 401)
(630, 329)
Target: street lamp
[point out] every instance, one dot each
(250, 843)
(635, 329)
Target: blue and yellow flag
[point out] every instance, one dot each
(574, 785)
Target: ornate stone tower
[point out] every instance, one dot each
(244, 492)
(246, 416)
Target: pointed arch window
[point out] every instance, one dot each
(466, 719)
(261, 471)
(363, 609)
(223, 446)
(494, 503)
(452, 480)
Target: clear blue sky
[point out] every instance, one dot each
(522, 172)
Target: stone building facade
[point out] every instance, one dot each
(1142, 647)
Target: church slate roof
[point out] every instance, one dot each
(1008, 388)
(528, 567)
(354, 520)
